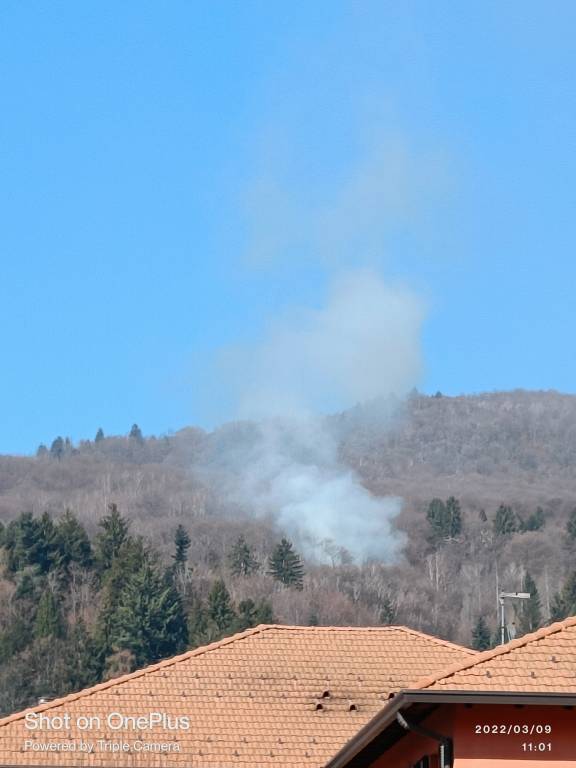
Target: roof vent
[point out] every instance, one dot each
(352, 707)
(325, 694)
(532, 674)
(488, 673)
(319, 706)
(553, 658)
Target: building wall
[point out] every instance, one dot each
(504, 736)
(499, 736)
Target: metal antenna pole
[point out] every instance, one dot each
(513, 596)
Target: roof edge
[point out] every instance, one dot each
(500, 650)
(408, 696)
(165, 663)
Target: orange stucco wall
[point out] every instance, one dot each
(499, 736)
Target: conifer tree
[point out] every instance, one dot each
(48, 619)
(72, 542)
(82, 657)
(57, 448)
(242, 561)
(149, 620)
(113, 535)
(264, 612)
(99, 435)
(571, 526)
(564, 603)
(453, 526)
(197, 622)
(250, 614)
(505, 521)
(530, 617)
(481, 635)
(220, 609)
(181, 544)
(286, 566)
(436, 516)
(131, 557)
(387, 611)
(136, 434)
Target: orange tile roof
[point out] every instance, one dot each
(542, 661)
(273, 695)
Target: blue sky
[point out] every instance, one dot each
(164, 168)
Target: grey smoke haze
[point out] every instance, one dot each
(363, 344)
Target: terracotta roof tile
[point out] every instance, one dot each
(273, 695)
(541, 661)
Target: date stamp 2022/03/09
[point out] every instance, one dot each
(529, 737)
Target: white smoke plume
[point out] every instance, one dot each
(363, 344)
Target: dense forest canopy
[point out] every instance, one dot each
(121, 550)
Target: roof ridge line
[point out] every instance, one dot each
(439, 640)
(387, 627)
(500, 650)
(149, 669)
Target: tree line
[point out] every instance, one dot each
(445, 523)
(81, 610)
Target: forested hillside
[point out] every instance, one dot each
(121, 550)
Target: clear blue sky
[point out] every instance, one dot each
(133, 137)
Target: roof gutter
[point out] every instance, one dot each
(446, 750)
(407, 697)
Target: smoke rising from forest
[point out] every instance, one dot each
(362, 345)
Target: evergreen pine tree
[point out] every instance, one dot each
(84, 666)
(453, 526)
(113, 535)
(149, 620)
(242, 561)
(505, 521)
(564, 603)
(136, 434)
(72, 542)
(530, 613)
(48, 619)
(387, 611)
(264, 612)
(286, 566)
(57, 448)
(99, 435)
(436, 516)
(198, 632)
(130, 558)
(481, 635)
(220, 609)
(483, 516)
(247, 615)
(181, 544)
(41, 451)
(251, 614)
(571, 526)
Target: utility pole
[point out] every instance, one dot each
(503, 596)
